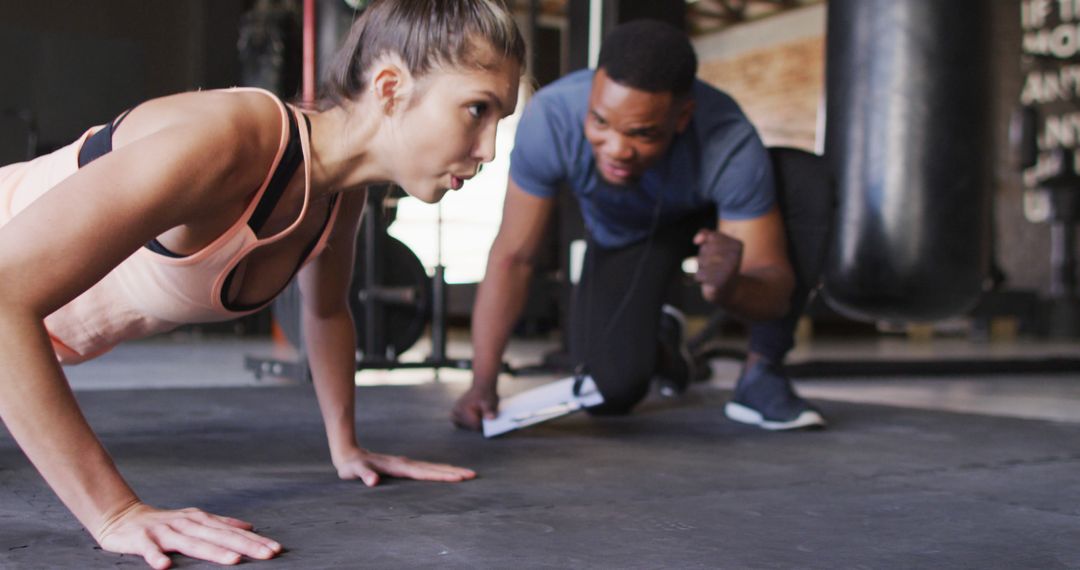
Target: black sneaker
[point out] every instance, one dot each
(675, 368)
(764, 397)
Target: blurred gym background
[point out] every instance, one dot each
(68, 64)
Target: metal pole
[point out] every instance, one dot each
(1062, 259)
(596, 30)
(438, 301)
(372, 312)
(308, 88)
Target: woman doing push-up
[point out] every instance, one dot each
(201, 207)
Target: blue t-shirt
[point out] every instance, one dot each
(717, 159)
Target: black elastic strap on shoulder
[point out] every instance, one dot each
(100, 143)
(155, 246)
(291, 159)
(279, 180)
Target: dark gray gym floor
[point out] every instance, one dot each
(673, 486)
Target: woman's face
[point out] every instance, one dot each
(447, 129)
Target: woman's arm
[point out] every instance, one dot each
(330, 339)
(57, 248)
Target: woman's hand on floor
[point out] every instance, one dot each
(368, 467)
(148, 532)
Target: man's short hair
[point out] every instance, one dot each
(649, 55)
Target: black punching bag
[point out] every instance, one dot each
(907, 136)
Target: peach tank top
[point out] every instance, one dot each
(149, 292)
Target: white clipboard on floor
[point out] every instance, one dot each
(547, 402)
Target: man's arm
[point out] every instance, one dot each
(501, 297)
(743, 267)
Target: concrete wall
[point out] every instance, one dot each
(76, 63)
(1023, 246)
(775, 69)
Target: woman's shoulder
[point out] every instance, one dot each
(244, 110)
(218, 146)
(247, 117)
(235, 133)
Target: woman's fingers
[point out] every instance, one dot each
(372, 465)
(234, 522)
(151, 533)
(404, 467)
(233, 525)
(171, 539)
(153, 555)
(230, 538)
(368, 475)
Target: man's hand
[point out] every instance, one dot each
(474, 406)
(719, 258)
(148, 532)
(367, 466)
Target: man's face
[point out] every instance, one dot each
(630, 129)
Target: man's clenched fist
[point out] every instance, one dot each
(719, 257)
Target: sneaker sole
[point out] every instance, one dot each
(743, 414)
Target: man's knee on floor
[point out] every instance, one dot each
(620, 398)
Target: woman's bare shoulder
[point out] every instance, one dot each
(248, 116)
(236, 133)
